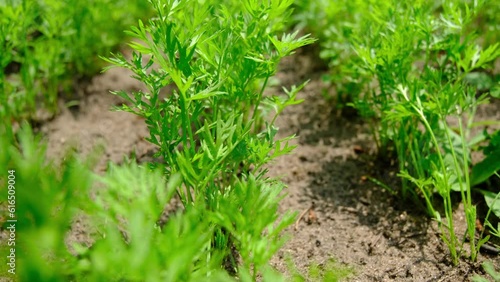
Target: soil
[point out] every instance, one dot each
(347, 217)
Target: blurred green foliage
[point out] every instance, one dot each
(47, 45)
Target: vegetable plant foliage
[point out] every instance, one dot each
(417, 71)
(48, 45)
(206, 67)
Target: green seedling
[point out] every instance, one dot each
(131, 240)
(123, 211)
(208, 114)
(134, 243)
(206, 67)
(331, 271)
(48, 45)
(489, 268)
(46, 199)
(417, 73)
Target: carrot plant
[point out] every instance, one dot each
(206, 66)
(489, 268)
(122, 211)
(46, 199)
(208, 114)
(415, 68)
(47, 44)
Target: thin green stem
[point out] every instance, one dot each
(446, 194)
(186, 125)
(470, 212)
(257, 104)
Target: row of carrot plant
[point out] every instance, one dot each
(417, 72)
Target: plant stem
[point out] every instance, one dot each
(446, 194)
(255, 114)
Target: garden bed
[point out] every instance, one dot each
(370, 234)
(381, 119)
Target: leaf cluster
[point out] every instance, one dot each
(206, 67)
(46, 45)
(122, 210)
(417, 72)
